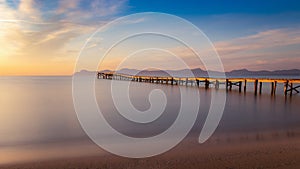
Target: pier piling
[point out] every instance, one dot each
(206, 84)
(227, 83)
(286, 86)
(255, 86)
(217, 85)
(245, 85)
(260, 87)
(240, 86)
(291, 86)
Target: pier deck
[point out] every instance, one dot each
(290, 85)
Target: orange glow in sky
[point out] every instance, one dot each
(39, 41)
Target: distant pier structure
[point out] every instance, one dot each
(291, 86)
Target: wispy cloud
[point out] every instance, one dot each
(32, 30)
(28, 10)
(261, 40)
(66, 6)
(271, 49)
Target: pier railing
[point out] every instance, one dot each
(290, 85)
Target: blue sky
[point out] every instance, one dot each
(198, 7)
(247, 34)
(227, 18)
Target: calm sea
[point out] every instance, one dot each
(38, 120)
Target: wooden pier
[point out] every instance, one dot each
(290, 85)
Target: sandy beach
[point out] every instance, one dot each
(272, 151)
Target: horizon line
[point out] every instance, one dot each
(71, 74)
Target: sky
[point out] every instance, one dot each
(45, 37)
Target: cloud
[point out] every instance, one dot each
(35, 33)
(271, 49)
(27, 8)
(105, 8)
(262, 40)
(32, 29)
(66, 6)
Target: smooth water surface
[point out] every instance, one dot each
(38, 120)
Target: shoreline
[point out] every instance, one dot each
(263, 153)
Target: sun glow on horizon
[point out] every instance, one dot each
(45, 38)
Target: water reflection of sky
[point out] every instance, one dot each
(40, 110)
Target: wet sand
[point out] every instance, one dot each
(254, 152)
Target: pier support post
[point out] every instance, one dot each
(260, 87)
(206, 84)
(245, 85)
(240, 86)
(217, 85)
(255, 86)
(275, 86)
(286, 86)
(272, 88)
(186, 81)
(291, 88)
(226, 84)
